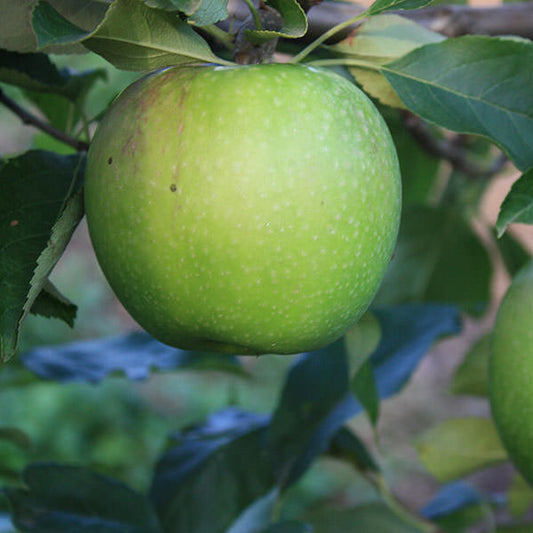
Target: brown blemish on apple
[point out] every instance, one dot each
(173, 187)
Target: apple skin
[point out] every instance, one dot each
(511, 372)
(249, 209)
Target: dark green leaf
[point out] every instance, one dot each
(384, 5)
(44, 83)
(518, 204)
(40, 207)
(471, 377)
(315, 403)
(257, 515)
(438, 258)
(372, 517)
(407, 333)
(51, 27)
(16, 437)
(418, 168)
(288, 527)
(347, 446)
(212, 473)
(64, 499)
(52, 304)
(513, 253)
(30, 71)
(134, 354)
(472, 84)
(460, 446)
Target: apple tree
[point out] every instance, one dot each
(239, 164)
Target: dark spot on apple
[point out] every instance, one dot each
(110, 160)
(173, 187)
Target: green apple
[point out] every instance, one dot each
(511, 372)
(248, 209)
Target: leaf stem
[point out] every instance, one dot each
(219, 34)
(255, 14)
(325, 36)
(28, 118)
(346, 61)
(398, 509)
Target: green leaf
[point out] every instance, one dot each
(40, 207)
(16, 32)
(383, 5)
(363, 386)
(471, 377)
(472, 84)
(513, 253)
(136, 37)
(64, 499)
(361, 340)
(372, 517)
(15, 28)
(131, 36)
(519, 496)
(52, 304)
(460, 446)
(379, 40)
(51, 27)
(438, 258)
(199, 12)
(518, 204)
(30, 71)
(209, 12)
(294, 22)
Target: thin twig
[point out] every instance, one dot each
(449, 150)
(28, 118)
